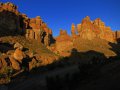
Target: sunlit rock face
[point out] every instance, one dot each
(12, 22)
(38, 30)
(63, 36)
(73, 30)
(63, 43)
(95, 29)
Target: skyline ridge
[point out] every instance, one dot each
(64, 13)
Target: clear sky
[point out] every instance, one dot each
(60, 14)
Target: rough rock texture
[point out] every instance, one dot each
(18, 45)
(95, 29)
(63, 43)
(9, 19)
(63, 36)
(14, 22)
(18, 55)
(87, 30)
(73, 30)
(39, 30)
(117, 34)
(32, 64)
(3, 61)
(14, 63)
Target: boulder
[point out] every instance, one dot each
(4, 61)
(32, 64)
(19, 55)
(14, 63)
(18, 45)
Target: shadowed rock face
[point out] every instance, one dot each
(12, 22)
(117, 34)
(9, 19)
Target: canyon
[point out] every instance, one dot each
(28, 43)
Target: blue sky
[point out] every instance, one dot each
(60, 14)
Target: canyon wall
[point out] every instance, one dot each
(12, 22)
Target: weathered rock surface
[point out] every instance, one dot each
(14, 63)
(39, 30)
(73, 30)
(117, 34)
(19, 55)
(14, 22)
(18, 45)
(95, 29)
(3, 61)
(9, 19)
(32, 64)
(63, 43)
(63, 36)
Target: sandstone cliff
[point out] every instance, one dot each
(95, 29)
(90, 31)
(12, 22)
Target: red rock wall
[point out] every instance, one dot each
(14, 22)
(95, 29)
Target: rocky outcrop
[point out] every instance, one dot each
(18, 55)
(63, 43)
(12, 22)
(18, 45)
(95, 29)
(15, 64)
(63, 36)
(73, 30)
(32, 64)
(117, 34)
(3, 61)
(9, 19)
(39, 30)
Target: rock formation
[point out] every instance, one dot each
(18, 55)
(63, 43)
(9, 19)
(117, 34)
(95, 29)
(14, 63)
(14, 22)
(38, 30)
(63, 36)
(18, 45)
(73, 30)
(86, 30)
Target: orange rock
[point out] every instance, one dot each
(32, 64)
(14, 63)
(63, 36)
(18, 45)
(73, 30)
(95, 29)
(19, 55)
(18, 23)
(3, 61)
